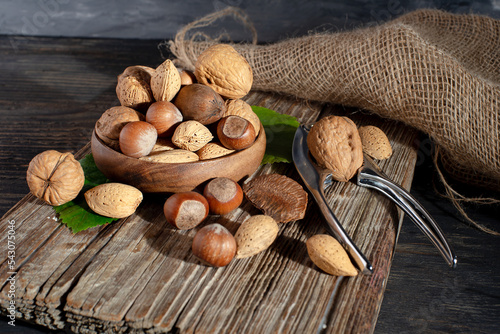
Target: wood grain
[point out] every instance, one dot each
(175, 177)
(139, 274)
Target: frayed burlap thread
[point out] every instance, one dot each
(435, 71)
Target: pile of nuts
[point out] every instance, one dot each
(214, 244)
(170, 115)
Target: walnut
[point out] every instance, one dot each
(55, 177)
(223, 69)
(133, 88)
(335, 144)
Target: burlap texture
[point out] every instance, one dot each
(435, 71)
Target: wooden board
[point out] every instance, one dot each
(138, 274)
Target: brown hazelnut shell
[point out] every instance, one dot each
(164, 116)
(223, 195)
(185, 210)
(235, 132)
(137, 139)
(214, 245)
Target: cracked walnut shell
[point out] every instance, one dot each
(335, 144)
(55, 177)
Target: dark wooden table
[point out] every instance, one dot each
(46, 102)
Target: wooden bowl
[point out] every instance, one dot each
(175, 177)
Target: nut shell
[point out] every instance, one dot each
(111, 123)
(115, 200)
(327, 253)
(375, 142)
(185, 210)
(214, 245)
(55, 177)
(166, 81)
(255, 235)
(200, 103)
(137, 139)
(240, 108)
(223, 69)
(277, 196)
(335, 144)
(191, 136)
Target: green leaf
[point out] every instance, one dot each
(280, 131)
(93, 176)
(76, 214)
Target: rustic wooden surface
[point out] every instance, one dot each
(48, 99)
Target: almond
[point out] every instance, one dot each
(191, 136)
(255, 235)
(163, 144)
(115, 200)
(375, 142)
(166, 81)
(172, 156)
(327, 253)
(212, 151)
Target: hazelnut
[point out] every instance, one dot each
(200, 103)
(223, 195)
(214, 245)
(137, 139)
(111, 123)
(240, 108)
(187, 77)
(55, 177)
(164, 116)
(235, 132)
(185, 210)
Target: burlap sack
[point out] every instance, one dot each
(432, 70)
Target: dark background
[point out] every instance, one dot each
(423, 295)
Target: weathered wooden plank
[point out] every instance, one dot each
(139, 274)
